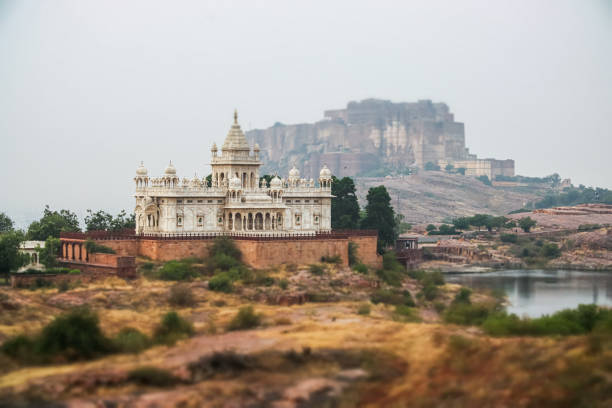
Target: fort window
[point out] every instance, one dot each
(209, 201)
(316, 201)
(289, 201)
(316, 219)
(189, 201)
(306, 201)
(200, 221)
(297, 201)
(297, 219)
(179, 221)
(179, 201)
(200, 201)
(220, 201)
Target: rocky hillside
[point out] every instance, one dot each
(432, 196)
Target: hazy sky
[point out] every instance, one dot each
(90, 88)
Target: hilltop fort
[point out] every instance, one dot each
(375, 135)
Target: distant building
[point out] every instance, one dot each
(30, 248)
(482, 167)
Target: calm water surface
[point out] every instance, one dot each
(536, 292)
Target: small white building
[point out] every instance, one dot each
(237, 199)
(30, 248)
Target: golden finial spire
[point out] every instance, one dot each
(235, 115)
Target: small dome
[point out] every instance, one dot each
(256, 147)
(214, 147)
(195, 181)
(170, 169)
(294, 173)
(235, 182)
(325, 172)
(141, 170)
(276, 182)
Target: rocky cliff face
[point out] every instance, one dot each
(371, 137)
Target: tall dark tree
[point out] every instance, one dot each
(52, 223)
(6, 224)
(10, 257)
(380, 216)
(344, 205)
(49, 254)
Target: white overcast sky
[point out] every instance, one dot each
(90, 88)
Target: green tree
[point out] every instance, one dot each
(380, 216)
(52, 223)
(449, 168)
(49, 254)
(6, 224)
(400, 225)
(495, 222)
(527, 223)
(431, 228)
(484, 179)
(462, 223)
(103, 221)
(209, 180)
(430, 166)
(461, 170)
(268, 178)
(479, 220)
(10, 257)
(344, 206)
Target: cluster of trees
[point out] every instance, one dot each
(491, 222)
(573, 196)
(103, 221)
(48, 229)
(378, 214)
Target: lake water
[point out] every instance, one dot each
(537, 292)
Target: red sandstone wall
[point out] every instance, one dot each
(167, 250)
(264, 254)
(124, 247)
(366, 250)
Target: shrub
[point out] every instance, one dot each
(283, 283)
(335, 259)
(467, 314)
(361, 268)
(221, 282)
(583, 319)
(429, 291)
(392, 297)
(152, 376)
(172, 328)
(463, 296)
(20, 348)
(93, 247)
(352, 253)
(406, 313)
(74, 272)
(222, 261)
(363, 309)
(439, 306)
(317, 269)
(176, 271)
(551, 250)
(392, 272)
(509, 238)
(74, 335)
(147, 266)
(245, 319)
(226, 246)
(181, 295)
(63, 286)
(130, 340)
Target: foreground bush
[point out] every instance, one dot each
(221, 282)
(245, 319)
(72, 336)
(130, 340)
(177, 271)
(172, 328)
(584, 319)
(152, 376)
(392, 297)
(181, 295)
